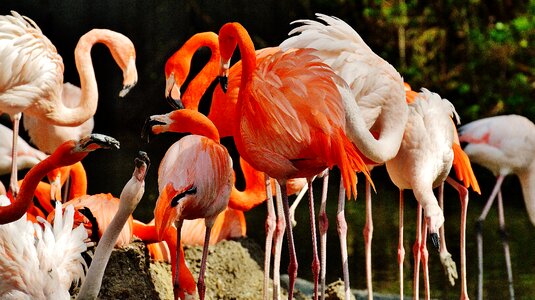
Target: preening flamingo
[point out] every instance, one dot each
(34, 82)
(50, 266)
(129, 199)
(377, 88)
(504, 145)
(194, 180)
(222, 111)
(291, 119)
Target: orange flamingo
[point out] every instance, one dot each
(36, 81)
(194, 180)
(290, 120)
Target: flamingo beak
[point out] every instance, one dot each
(142, 163)
(55, 188)
(172, 92)
(130, 77)
(164, 214)
(148, 129)
(223, 74)
(96, 141)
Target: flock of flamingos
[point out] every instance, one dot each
(320, 99)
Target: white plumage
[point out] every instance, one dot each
(41, 261)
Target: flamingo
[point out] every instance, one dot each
(130, 197)
(35, 81)
(504, 145)
(27, 155)
(194, 180)
(58, 245)
(221, 114)
(291, 120)
(377, 88)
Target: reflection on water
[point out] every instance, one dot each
(385, 242)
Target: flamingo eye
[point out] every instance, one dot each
(191, 191)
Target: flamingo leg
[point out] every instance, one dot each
(323, 226)
(292, 266)
(270, 228)
(505, 243)
(176, 281)
(425, 258)
(279, 234)
(445, 256)
(416, 252)
(315, 259)
(463, 195)
(401, 249)
(341, 226)
(479, 229)
(296, 203)
(201, 286)
(368, 234)
(13, 185)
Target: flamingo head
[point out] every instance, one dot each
(71, 152)
(170, 205)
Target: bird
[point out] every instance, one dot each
(50, 257)
(280, 130)
(377, 88)
(504, 145)
(27, 155)
(47, 137)
(221, 113)
(35, 82)
(130, 196)
(194, 181)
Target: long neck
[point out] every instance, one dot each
(73, 116)
(187, 120)
(255, 189)
(21, 204)
(78, 181)
(230, 35)
(527, 180)
(128, 202)
(198, 85)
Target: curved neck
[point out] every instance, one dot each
(198, 85)
(21, 204)
(129, 199)
(73, 116)
(527, 180)
(78, 181)
(187, 120)
(255, 189)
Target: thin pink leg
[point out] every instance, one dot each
(292, 266)
(425, 258)
(463, 196)
(401, 249)
(341, 226)
(315, 258)
(279, 234)
(368, 234)
(479, 229)
(416, 252)
(201, 286)
(13, 184)
(323, 226)
(270, 228)
(505, 243)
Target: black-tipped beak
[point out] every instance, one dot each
(435, 239)
(99, 141)
(126, 89)
(146, 132)
(175, 103)
(142, 163)
(223, 82)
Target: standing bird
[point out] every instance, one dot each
(129, 199)
(34, 83)
(51, 257)
(194, 180)
(424, 161)
(504, 145)
(290, 120)
(377, 88)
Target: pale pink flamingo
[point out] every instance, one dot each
(35, 82)
(27, 155)
(504, 145)
(49, 262)
(290, 120)
(194, 180)
(377, 88)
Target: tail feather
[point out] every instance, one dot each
(463, 168)
(352, 161)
